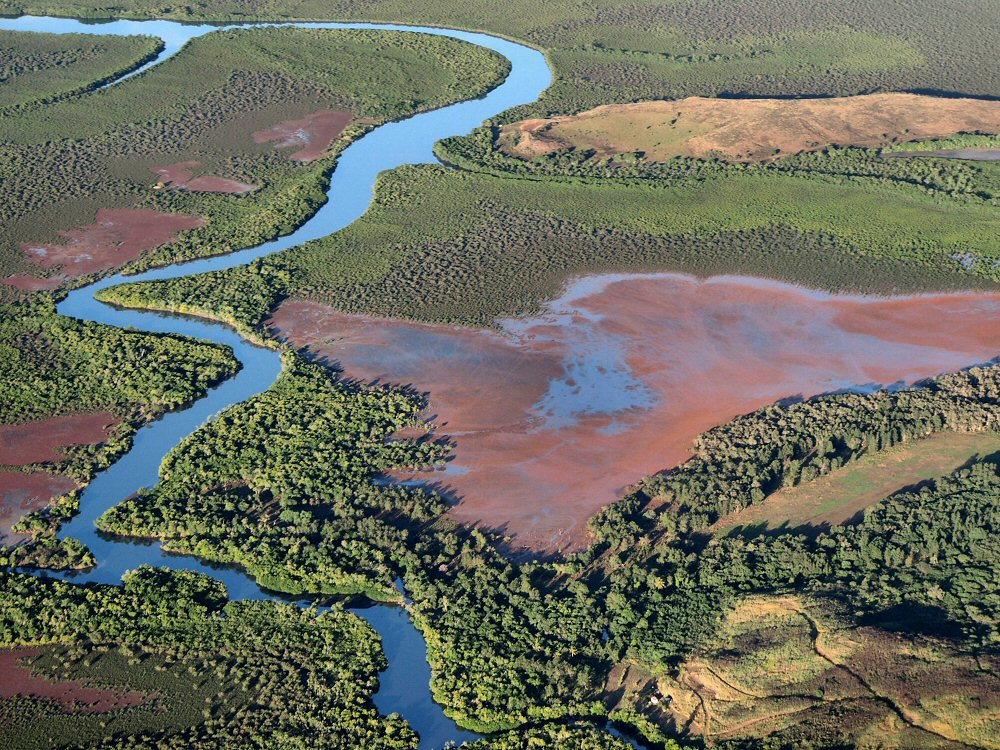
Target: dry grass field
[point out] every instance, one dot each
(798, 669)
(749, 129)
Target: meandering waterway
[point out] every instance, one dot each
(404, 686)
(613, 381)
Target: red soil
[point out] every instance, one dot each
(71, 695)
(557, 415)
(23, 493)
(36, 442)
(33, 283)
(180, 175)
(313, 134)
(119, 236)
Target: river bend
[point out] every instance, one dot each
(404, 686)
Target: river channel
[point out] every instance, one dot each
(404, 686)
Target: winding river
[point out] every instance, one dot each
(404, 686)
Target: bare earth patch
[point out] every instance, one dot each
(181, 176)
(554, 417)
(120, 235)
(22, 493)
(839, 496)
(750, 129)
(71, 695)
(312, 135)
(33, 283)
(38, 442)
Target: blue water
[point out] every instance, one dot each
(404, 686)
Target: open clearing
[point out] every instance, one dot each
(70, 695)
(312, 135)
(839, 496)
(750, 129)
(39, 442)
(181, 176)
(21, 493)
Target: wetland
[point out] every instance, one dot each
(555, 416)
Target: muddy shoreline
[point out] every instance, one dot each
(555, 416)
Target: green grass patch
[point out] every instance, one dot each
(843, 494)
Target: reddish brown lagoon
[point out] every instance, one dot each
(33, 283)
(72, 695)
(181, 176)
(21, 493)
(37, 442)
(312, 135)
(555, 416)
(118, 236)
(41, 442)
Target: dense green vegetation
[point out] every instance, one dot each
(56, 365)
(298, 509)
(444, 245)
(286, 474)
(962, 140)
(479, 152)
(842, 495)
(931, 551)
(571, 736)
(44, 550)
(642, 49)
(514, 642)
(743, 462)
(62, 162)
(36, 68)
(242, 674)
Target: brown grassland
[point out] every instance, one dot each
(749, 129)
(800, 668)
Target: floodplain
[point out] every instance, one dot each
(620, 374)
(610, 381)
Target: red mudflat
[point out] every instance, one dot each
(36, 442)
(180, 175)
(555, 416)
(71, 695)
(22, 493)
(313, 134)
(119, 236)
(33, 283)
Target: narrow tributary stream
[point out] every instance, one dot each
(404, 686)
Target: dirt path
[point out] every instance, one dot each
(906, 716)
